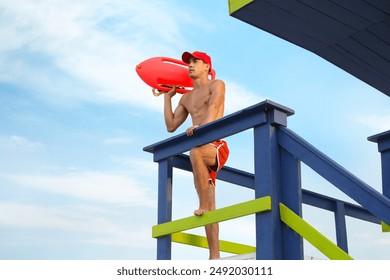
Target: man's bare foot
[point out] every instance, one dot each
(199, 212)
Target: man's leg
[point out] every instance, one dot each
(212, 230)
(201, 158)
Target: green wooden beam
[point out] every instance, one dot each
(385, 227)
(317, 239)
(219, 215)
(201, 241)
(235, 5)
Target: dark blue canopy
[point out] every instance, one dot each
(352, 34)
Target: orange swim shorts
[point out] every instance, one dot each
(222, 156)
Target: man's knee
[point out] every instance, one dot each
(195, 154)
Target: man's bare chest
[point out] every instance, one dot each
(197, 100)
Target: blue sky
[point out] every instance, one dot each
(74, 181)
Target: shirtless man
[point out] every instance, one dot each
(205, 103)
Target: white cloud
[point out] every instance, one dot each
(375, 122)
(241, 230)
(238, 97)
(16, 141)
(117, 189)
(96, 43)
(33, 216)
(383, 241)
(87, 50)
(137, 164)
(118, 141)
(97, 221)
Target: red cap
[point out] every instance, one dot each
(198, 55)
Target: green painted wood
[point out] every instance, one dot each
(385, 227)
(201, 241)
(317, 239)
(219, 215)
(235, 5)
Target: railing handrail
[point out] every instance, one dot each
(362, 193)
(231, 124)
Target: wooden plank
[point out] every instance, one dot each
(376, 45)
(347, 60)
(322, 22)
(266, 16)
(201, 241)
(361, 8)
(383, 5)
(230, 212)
(382, 31)
(339, 14)
(309, 233)
(221, 128)
(366, 55)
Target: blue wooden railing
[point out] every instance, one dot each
(278, 153)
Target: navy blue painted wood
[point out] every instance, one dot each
(383, 5)
(315, 12)
(366, 53)
(363, 9)
(338, 14)
(329, 204)
(382, 31)
(359, 191)
(341, 226)
(229, 125)
(383, 140)
(386, 173)
(164, 214)
(341, 56)
(291, 196)
(267, 183)
(339, 31)
(372, 43)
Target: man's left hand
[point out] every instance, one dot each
(190, 130)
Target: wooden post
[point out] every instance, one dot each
(164, 214)
(292, 198)
(383, 140)
(268, 182)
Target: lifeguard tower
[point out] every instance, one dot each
(355, 36)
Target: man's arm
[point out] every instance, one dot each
(173, 119)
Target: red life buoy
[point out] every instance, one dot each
(161, 73)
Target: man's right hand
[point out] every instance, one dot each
(172, 92)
